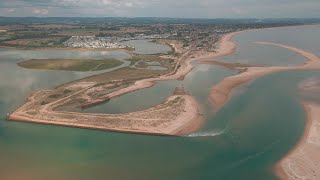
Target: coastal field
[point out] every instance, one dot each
(70, 64)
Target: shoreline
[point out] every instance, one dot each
(221, 92)
(183, 67)
(192, 121)
(183, 123)
(178, 73)
(192, 118)
(297, 159)
(187, 123)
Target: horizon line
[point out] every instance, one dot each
(127, 17)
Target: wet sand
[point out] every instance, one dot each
(226, 46)
(178, 115)
(234, 66)
(303, 162)
(188, 120)
(222, 91)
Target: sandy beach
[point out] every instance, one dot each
(222, 91)
(303, 161)
(226, 47)
(170, 122)
(182, 121)
(178, 115)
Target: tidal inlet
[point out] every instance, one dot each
(87, 95)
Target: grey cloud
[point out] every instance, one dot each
(164, 8)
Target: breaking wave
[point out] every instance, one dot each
(207, 133)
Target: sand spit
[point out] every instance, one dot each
(183, 67)
(176, 116)
(226, 46)
(303, 162)
(235, 66)
(221, 92)
(181, 119)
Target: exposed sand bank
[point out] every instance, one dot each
(226, 46)
(187, 121)
(183, 67)
(178, 115)
(182, 122)
(235, 66)
(221, 92)
(303, 162)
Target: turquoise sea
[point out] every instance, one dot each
(243, 140)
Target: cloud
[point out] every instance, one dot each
(166, 8)
(11, 10)
(99, 3)
(39, 11)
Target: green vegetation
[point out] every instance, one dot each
(39, 41)
(142, 59)
(67, 91)
(99, 84)
(127, 75)
(141, 64)
(55, 96)
(70, 64)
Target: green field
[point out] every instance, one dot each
(70, 64)
(143, 59)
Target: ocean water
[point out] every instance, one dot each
(243, 140)
(298, 36)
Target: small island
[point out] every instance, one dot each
(70, 64)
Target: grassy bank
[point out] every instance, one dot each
(70, 64)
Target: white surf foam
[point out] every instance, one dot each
(207, 133)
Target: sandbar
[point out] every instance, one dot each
(176, 116)
(221, 92)
(302, 162)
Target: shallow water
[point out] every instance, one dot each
(241, 141)
(299, 36)
(155, 95)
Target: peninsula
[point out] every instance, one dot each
(179, 115)
(161, 88)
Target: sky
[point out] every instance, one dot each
(163, 8)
